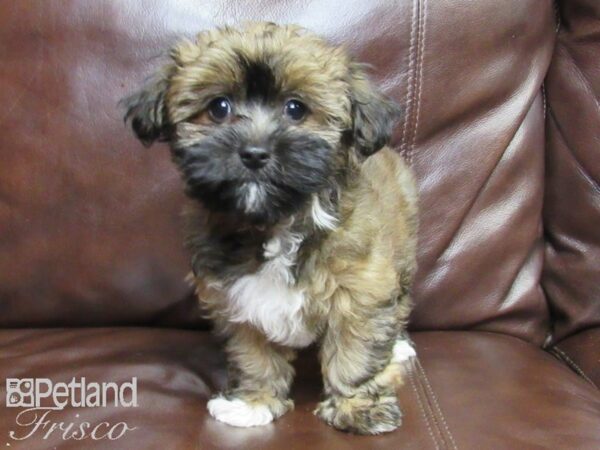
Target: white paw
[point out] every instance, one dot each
(383, 428)
(238, 413)
(403, 351)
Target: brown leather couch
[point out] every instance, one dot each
(501, 125)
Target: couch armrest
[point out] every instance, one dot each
(572, 197)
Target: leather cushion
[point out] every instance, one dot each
(469, 390)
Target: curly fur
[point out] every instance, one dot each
(319, 245)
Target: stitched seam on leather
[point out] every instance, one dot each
(410, 79)
(544, 98)
(572, 364)
(419, 80)
(411, 378)
(429, 406)
(436, 427)
(437, 405)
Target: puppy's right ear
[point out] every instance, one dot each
(146, 111)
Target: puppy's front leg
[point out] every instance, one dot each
(260, 376)
(361, 357)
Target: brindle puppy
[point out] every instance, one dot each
(303, 227)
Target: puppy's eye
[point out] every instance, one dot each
(219, 109)
(295, 110)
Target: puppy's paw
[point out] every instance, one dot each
(403, 351)
(361, 415)
(238, 413)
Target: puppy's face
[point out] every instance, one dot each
(261, 118)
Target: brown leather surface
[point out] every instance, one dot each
(89, 219)
(90, 225)
(581, 352)
(572, 203)
(470, 390)
(479, 160)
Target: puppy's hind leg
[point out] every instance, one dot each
(260, 376)
(362, 358)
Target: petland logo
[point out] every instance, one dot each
(41, 397)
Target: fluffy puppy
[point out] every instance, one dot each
(302, 224)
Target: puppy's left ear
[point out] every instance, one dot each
(146, 110)
(373, 114)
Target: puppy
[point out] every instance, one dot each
(302, 225)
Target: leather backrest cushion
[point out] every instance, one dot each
(89, 220)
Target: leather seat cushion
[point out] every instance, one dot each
(468, 390)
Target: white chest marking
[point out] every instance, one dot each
(268, 298)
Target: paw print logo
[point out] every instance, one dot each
(20, 392)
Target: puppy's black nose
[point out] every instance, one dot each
(254, 157)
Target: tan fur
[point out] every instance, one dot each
(310, 69)
(259, 372)
(355, 278)
(358, 276)
(357, 282)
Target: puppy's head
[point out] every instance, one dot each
(261, 118)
